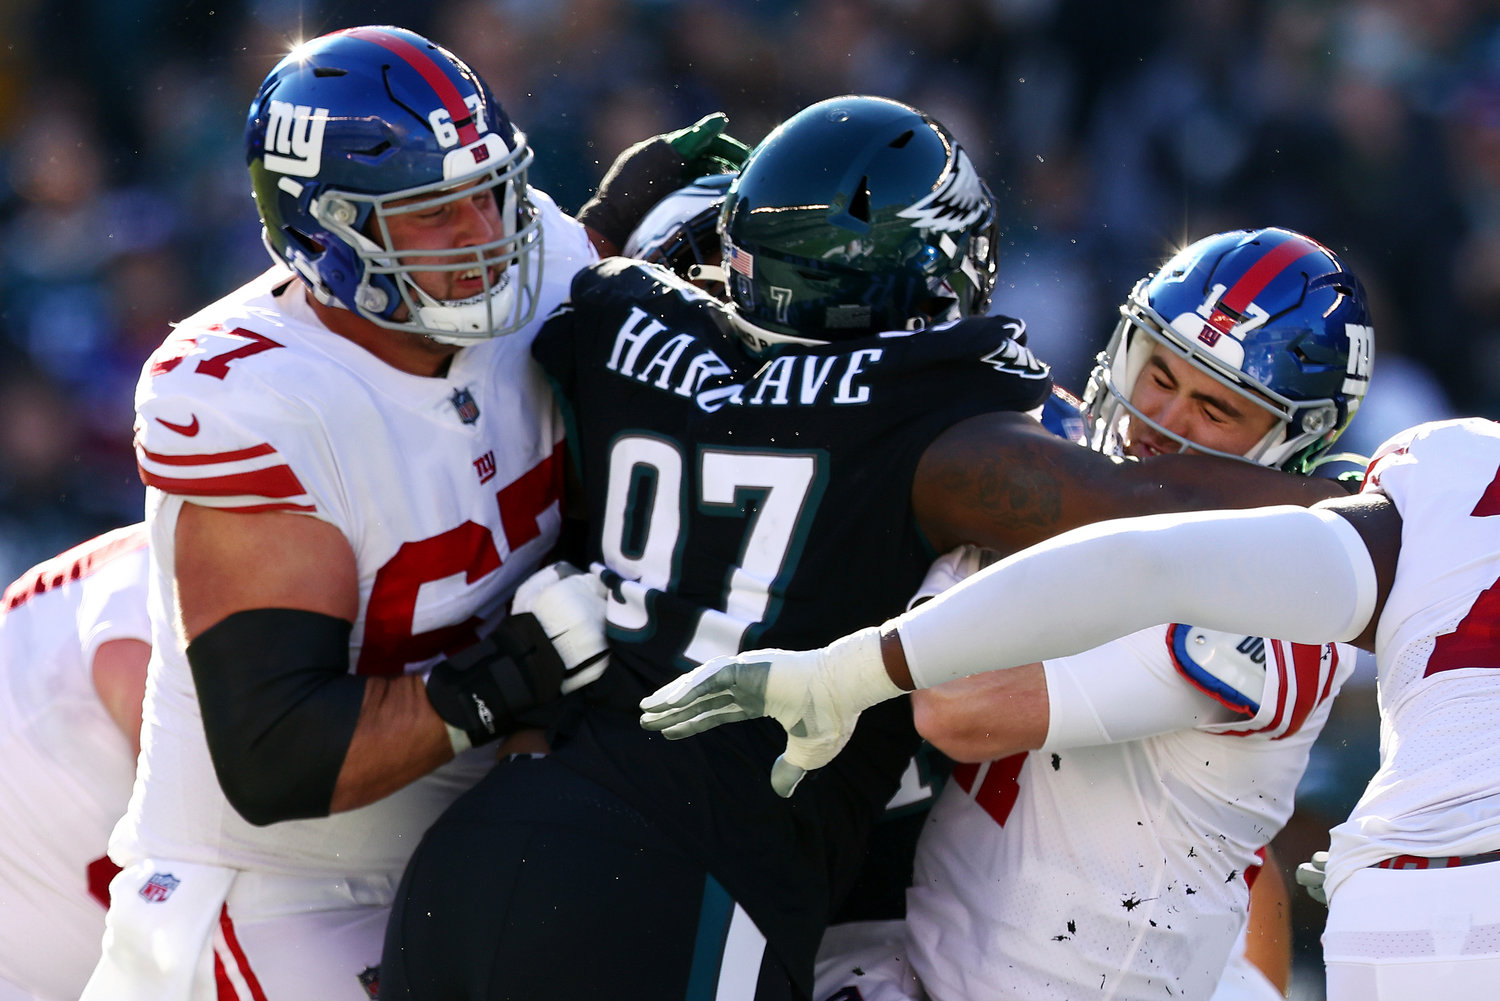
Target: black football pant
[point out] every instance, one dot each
(540, 885)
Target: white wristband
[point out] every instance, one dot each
(457, 739)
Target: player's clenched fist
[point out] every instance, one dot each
(816, 695)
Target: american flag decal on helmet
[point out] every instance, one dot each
(956, 203)
(739, 260)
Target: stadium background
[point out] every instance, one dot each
(1111, 132)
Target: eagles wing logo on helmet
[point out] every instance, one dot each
(957, 203)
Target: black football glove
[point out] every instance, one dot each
(508, 681)
(647, 171)
(551, 644)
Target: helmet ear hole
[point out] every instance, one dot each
(308, 244)
(859, 205)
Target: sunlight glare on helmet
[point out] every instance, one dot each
(298, 49)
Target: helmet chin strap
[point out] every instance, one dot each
(707, 273)
(472, 315)
(759, 338)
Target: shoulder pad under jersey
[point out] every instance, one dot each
(1230, 667)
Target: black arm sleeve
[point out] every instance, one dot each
(279, 708)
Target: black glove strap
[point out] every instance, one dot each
(506, 681)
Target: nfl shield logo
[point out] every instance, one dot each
(463, 402)
(159, 887)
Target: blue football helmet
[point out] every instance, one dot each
(1271, 314)
(856, 215)
(362, 125)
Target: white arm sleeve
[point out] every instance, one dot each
(1297, 574)
(1124, 690)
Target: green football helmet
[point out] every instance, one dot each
(856, 215)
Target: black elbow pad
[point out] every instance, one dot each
(279, 709)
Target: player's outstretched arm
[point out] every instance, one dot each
(1003, 481)
(1304, 575)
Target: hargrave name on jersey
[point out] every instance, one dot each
(647, 351)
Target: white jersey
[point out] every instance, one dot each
(1114, 871)
(447, 489)
(1437, 790)
(67, 767)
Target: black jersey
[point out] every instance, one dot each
(753, 501)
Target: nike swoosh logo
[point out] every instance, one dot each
(189, 429)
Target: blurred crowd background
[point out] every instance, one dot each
(1112, 132)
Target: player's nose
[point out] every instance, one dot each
(476, 221)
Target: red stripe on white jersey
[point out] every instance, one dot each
(233, 977)
(1489, 501)
(209, 458)
(277, 482)
(75, 564)
(1304, 681)
(1312, 684)
(1252, 872)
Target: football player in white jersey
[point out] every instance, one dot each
(74, 642)
(1408, 569)
(351, 463)
(679, 233)
(1095, 837)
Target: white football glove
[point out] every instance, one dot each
(1311, 874)
(569, 605)
(816, 695)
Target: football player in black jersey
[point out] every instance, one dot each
(777, 470)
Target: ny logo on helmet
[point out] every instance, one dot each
(296, 135)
